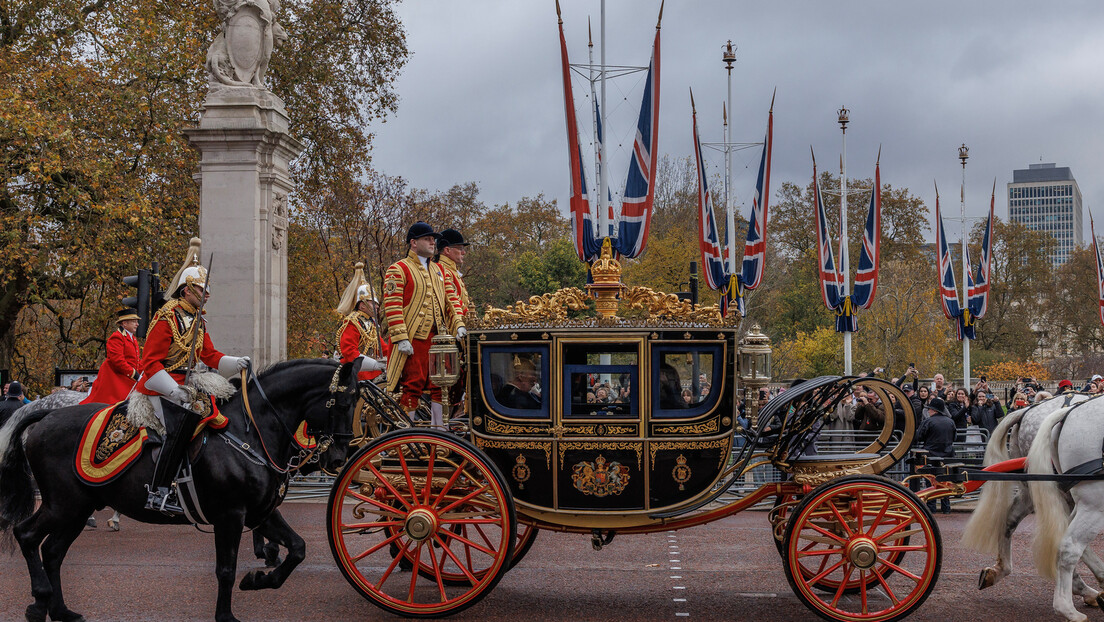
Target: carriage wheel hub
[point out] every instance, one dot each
(862, 552)
(420, 524)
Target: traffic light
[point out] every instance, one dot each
(157, 295)
(141, 300)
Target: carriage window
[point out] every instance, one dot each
(687, 381)
(600, 380)
(514, 380)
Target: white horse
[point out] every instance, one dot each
(1004, 504)
(1068, 438)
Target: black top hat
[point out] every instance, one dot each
(937, 404)
(126, 313)
(420, 230)
(451, 237)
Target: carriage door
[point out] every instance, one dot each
(598, 428)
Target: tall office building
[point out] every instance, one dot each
(1045, 197)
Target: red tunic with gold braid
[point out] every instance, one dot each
(170, 337)
(417, 304)
(358, 335)
(118, 372)
(455, 280)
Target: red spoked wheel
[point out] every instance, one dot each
(440, 504)
(853, 533)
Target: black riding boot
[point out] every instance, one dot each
(179, 424)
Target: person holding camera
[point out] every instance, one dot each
(986, 409)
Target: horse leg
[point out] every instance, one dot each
(54, 549)
(1084, 525)
(276, 529)
(29, 534)
(1021, 507)
(266, 550)
(227, 541)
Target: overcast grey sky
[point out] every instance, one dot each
(1018, 81)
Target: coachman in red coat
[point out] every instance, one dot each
(119, 371)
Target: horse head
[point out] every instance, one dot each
(332, 424)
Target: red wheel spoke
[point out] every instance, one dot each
(437, 570)
(464, 568)
(451, 482)
(842, 585)
(862, 592)
(830, 570)
(888, 590)
(466, 542)
(819, 552)
(410, 482)
(351, 527)
(841, 519)
(900, 570)
(414, 575)
(902, 548)
(383, 506)
(383, 480)
(829, 534)
(429, 475)
(901, 525)
(466, 498)
(394, 563)
(377, 547)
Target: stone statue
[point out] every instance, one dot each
(239, 55)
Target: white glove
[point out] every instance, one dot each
(461, 332)
(229, 366)
(368, 363)
(163, 383)
(405, 347)
(181, 396)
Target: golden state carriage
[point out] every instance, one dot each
(424, 522)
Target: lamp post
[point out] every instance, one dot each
(754, 368)
(845, 257)
(444, 370)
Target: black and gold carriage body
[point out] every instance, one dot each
(627, 423)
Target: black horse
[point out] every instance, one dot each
(236, 488)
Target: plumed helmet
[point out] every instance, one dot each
(358, 290)
(190, 272)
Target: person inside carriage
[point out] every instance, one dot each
(670, 388)
(178, 338)
(519, 391)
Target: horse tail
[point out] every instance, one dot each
(16, 486)
(1052, 514)
(996, 496)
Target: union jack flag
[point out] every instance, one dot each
(866, 279)
(712, 253)
(1099, 268)
(831, 281)
(636, 205)
(948, 287)
(755, 247)
(587, 246)
(978, 301)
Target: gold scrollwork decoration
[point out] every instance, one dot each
(546, 447)
(603, 446)
(551, 307)
(495, 427)
(721, 443)
(704, 427)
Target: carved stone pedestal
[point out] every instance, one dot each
(245, 149)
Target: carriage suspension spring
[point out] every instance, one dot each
(599, 538)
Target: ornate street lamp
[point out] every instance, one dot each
(444, 369)
(754, 368)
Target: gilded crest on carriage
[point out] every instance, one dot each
(598, 479)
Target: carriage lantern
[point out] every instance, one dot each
(754, 369)
(444, 367)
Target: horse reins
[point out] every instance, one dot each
(304, 457)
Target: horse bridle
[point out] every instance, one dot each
(324, 440)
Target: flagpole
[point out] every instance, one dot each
(594, 113)
(603, 209)
(845, 263)
(963, 155)
(729, 57)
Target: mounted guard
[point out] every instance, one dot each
(360, 338)
(178, 396)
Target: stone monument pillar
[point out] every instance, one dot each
(245, 149)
